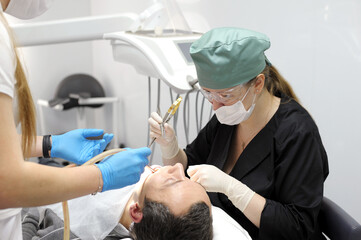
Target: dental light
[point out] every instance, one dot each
(158, 45)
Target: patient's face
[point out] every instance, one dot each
(171, 187)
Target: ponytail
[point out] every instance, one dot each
(26, 108)
(276, 83)
(25, 101)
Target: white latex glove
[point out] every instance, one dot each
(168, 142)
(215, 180)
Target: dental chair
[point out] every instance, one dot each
(336, 223)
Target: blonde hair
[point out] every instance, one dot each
(27, 115)
(276, 83)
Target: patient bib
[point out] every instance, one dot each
(10, 224)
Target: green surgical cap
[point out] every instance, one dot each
(226, 57)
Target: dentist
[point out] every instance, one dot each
(26, 184)
(260, 158)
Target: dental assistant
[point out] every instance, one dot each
(26, 184)
(260, 157)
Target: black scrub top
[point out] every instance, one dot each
(285, 163)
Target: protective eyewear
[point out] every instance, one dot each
(225, 96)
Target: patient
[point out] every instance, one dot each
(162, 205)
(169, 206)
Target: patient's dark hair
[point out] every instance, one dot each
(158, 223)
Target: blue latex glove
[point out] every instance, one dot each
(75, 147)
(124, 168)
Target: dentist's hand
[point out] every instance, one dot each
(155, 132)
(215, 180)
(210, 177)
(75, 147)
(124, 168)
(168, 142)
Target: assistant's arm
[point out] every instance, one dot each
(37, 148)
(26, 184)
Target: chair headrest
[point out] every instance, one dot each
(81, 85)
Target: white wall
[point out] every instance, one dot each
(315, 44)
(48, 65)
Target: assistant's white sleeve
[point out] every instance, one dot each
(7, 63)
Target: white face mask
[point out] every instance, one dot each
(26, 9)
(236, 113)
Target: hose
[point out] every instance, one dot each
(92, 161)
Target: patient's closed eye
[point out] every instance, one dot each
(172, 181)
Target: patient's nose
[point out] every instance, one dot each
(177, 171)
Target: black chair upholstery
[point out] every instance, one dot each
(337, 224)
(74, 87)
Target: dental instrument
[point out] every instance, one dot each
(168, 115)
(150, 168)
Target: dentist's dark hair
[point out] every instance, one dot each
(158, 223)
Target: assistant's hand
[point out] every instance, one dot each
(168, 142)
(75, 147)
(215, 180)
(124, 168)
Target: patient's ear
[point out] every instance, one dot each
(135, 212)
